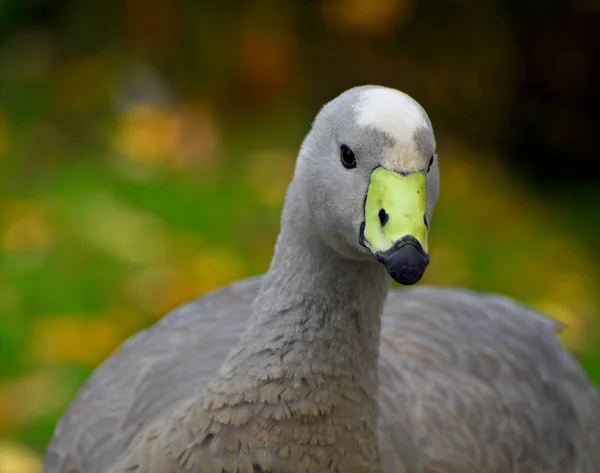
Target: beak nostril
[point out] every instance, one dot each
(383, 217)
(425, 221)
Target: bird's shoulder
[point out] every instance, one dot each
(145, 380)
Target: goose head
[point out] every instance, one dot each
(369, 176)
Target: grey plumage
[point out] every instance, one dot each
(311, 368)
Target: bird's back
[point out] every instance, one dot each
(468, 383)
(478, 383)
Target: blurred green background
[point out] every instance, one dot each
(145, 148)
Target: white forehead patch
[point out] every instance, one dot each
(390, 111)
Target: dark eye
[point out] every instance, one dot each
(347, 156)
(429, 165)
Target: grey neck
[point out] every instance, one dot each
(305, 371)
(317, 313)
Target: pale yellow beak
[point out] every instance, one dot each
(395, 228)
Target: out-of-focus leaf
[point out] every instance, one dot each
(147, 134)
(31, 396)
(119, 229)
(73, 339)
(367, 17)
(269, 173)
(28, 227)
(16, 458)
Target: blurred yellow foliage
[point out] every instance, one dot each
(73, 338)
(269, 174)
(573, 332)
(449, 266)
(369, 17)
(177, 138)
(214, 268)
(30, 396)
(27, 226)
(159, 289)
(120, 229)
(147, 133)
(15, 458)
(148, 286)
(197, 138)
(210, 270)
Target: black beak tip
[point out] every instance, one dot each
(406, 261)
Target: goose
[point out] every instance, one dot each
(318, 366)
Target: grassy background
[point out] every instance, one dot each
(145, 151)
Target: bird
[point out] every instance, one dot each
(318, 365)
